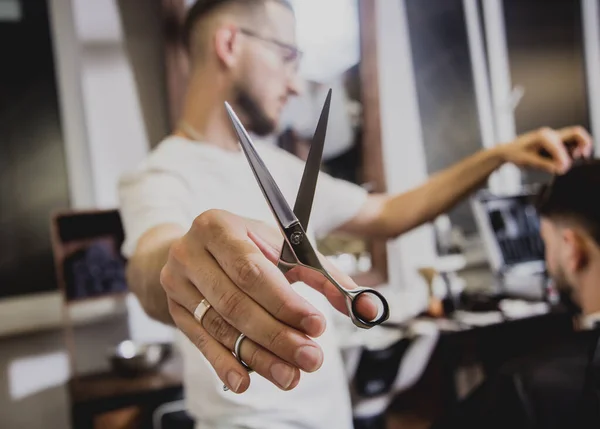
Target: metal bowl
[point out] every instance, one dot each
(130, 358)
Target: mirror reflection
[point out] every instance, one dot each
(328, 35)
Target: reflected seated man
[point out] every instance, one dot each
(558, 387)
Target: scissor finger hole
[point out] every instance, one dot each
(370, 307)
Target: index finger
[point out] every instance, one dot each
(257, 277)
(365, 306)
(582, 140)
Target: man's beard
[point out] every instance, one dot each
(258, 121)
(566, 299)
(565, 291)
(560, 280)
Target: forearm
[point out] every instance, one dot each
(144, 268)
(389, 216)
(439, 194)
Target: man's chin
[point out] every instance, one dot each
(264, 128)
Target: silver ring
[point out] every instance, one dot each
(236, 351)
(201, 310)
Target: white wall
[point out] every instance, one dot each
(116, 136)
(116, 132)
(144, 45)
(404, 157)
(105, 130)
(106, 125)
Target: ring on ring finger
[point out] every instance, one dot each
(237, 353)
(221, 330)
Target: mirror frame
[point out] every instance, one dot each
(173, 13)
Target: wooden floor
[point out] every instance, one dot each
(406, 421)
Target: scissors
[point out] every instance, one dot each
(297, 249)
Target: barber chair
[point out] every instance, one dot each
(384, 363)
(172, 415)
(593, 413)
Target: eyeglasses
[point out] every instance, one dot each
(290, 54)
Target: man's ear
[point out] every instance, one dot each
(227, 44)
(574, 251)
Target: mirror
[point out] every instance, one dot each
(328, 36)
(338, 40)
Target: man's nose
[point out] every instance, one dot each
(295, 84)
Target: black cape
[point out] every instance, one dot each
(554, 389)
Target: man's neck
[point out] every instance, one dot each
(204, 117)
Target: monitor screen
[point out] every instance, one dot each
(516, 228)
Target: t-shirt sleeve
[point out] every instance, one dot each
(148, 199)
(336, 202)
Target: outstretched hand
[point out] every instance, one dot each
(547, 149)
(228, 261)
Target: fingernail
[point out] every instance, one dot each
(313, 325)
(308, 358)
(234, 380)
(282, 374)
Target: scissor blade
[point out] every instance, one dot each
(279, 206)
(308, 184)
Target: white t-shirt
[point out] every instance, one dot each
(182, 179)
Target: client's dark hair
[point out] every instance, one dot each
(574, 197)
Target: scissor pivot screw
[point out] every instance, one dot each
(296, 238)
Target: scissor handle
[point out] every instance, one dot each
(352, 296)
(302, 252)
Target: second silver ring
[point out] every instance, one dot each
(237, 353)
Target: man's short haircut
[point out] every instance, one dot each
(203, 8)
(574, 197)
